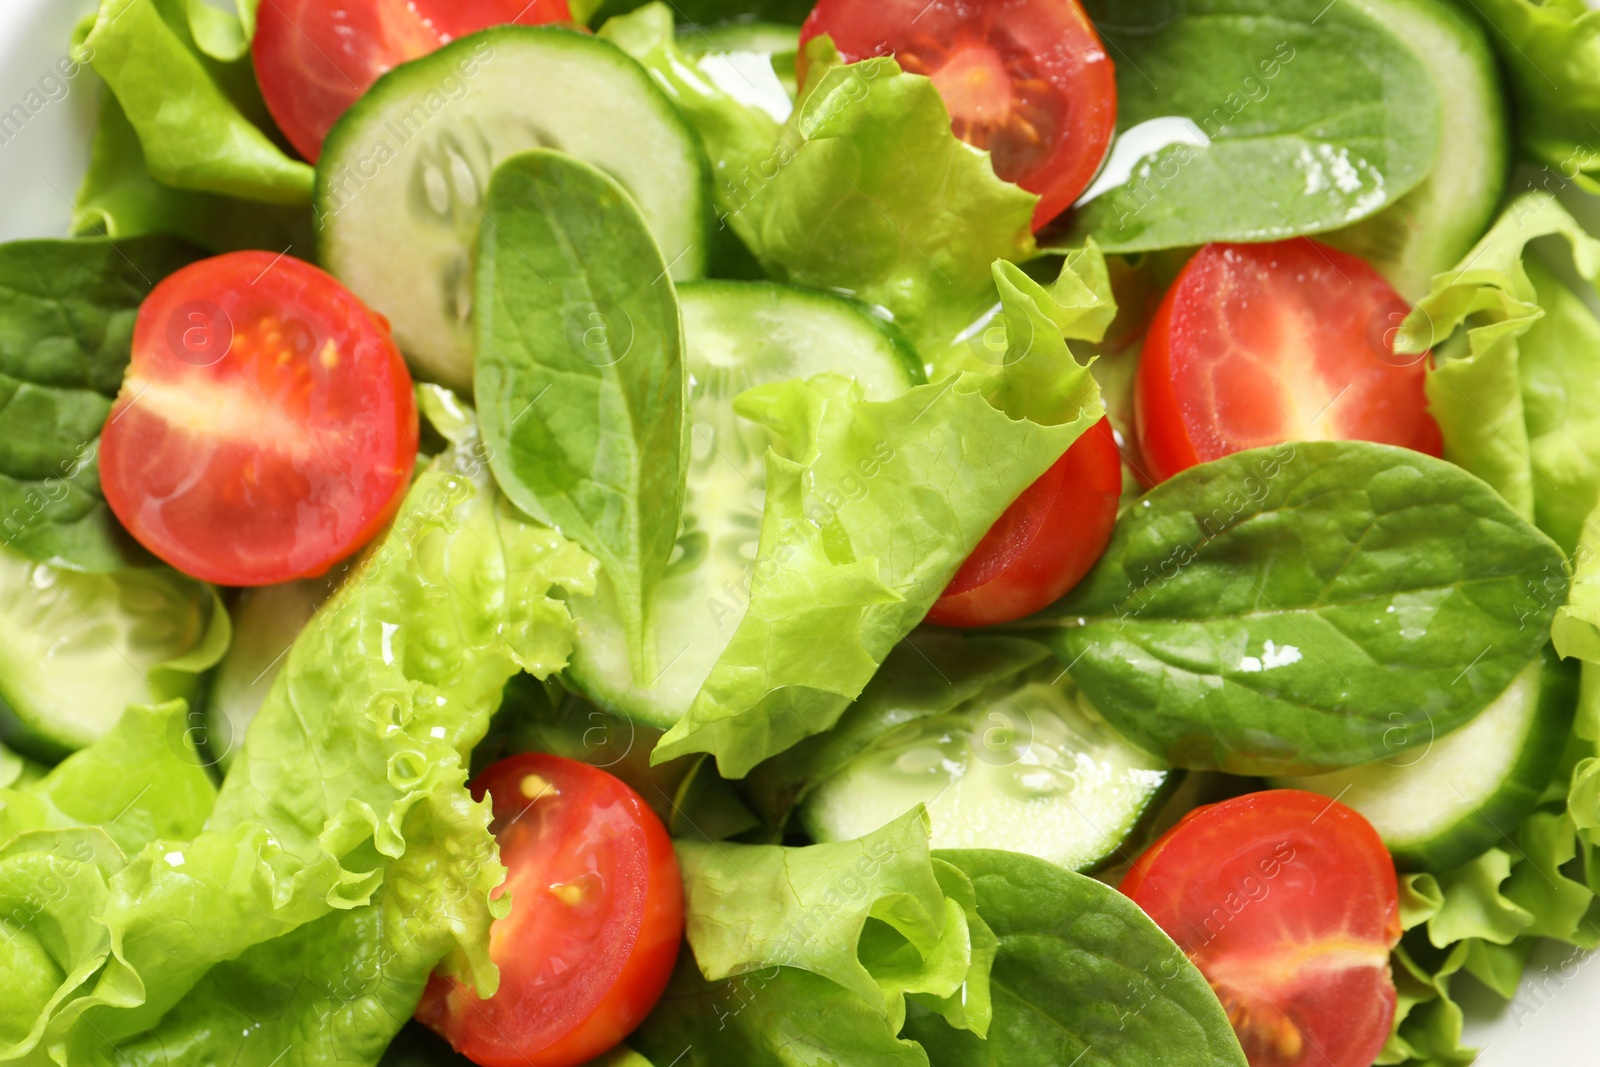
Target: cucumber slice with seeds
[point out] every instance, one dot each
(1033, 770)
(76, 649)
(1442, 807)
(738, 335)
(402, 172)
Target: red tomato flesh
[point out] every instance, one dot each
(596, 919)
(314, 58)
(1287, 902)
(1028, 80)
(1258, 344)
(266, 428)
(1045, 542)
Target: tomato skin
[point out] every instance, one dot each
(1045, 542)
(266, 428)
(313, 59)
(1029, 80)
(1255, 345)
(1288, 903)
(595, 925)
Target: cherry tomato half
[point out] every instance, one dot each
(266, 428)
(1029, 80)
(1287, 902)
(1045, 542)
(1257, 344)
(596, 919)
(314, 58)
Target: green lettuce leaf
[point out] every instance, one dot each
(869, 192)
(841, 577)
(1518, 399)
(344, 857)
(868, 915)
(810, 955)
(1575, 631)
(864, 189)
(1484, 917)
(779, 1017)
(1551, 53)
(739, 138)
(185, 102)
(143, 781)
(64, 836)
(119, 198)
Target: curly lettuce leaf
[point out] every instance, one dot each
(1575, 631)
(870, 192)
(869, 915)
(1552, 56)
(810, 955)
(1518, 400)
(63, 837)
(863, 189)
(779, 1017)
(344, 857)
(119, 199)
(1484, 917)
(182, 92)
(740, 139)
(871, 507)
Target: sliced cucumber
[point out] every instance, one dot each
(76, 649)
(403, 171)
(1035, 770)
(738, 335)
(1460, 795)
(266, 620)
(1430, 228)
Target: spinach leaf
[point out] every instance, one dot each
(66, 327)
(1081, 975)
(1306, 606)
(580, 382)
(1252, 120)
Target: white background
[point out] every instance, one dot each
(1555, 1019)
